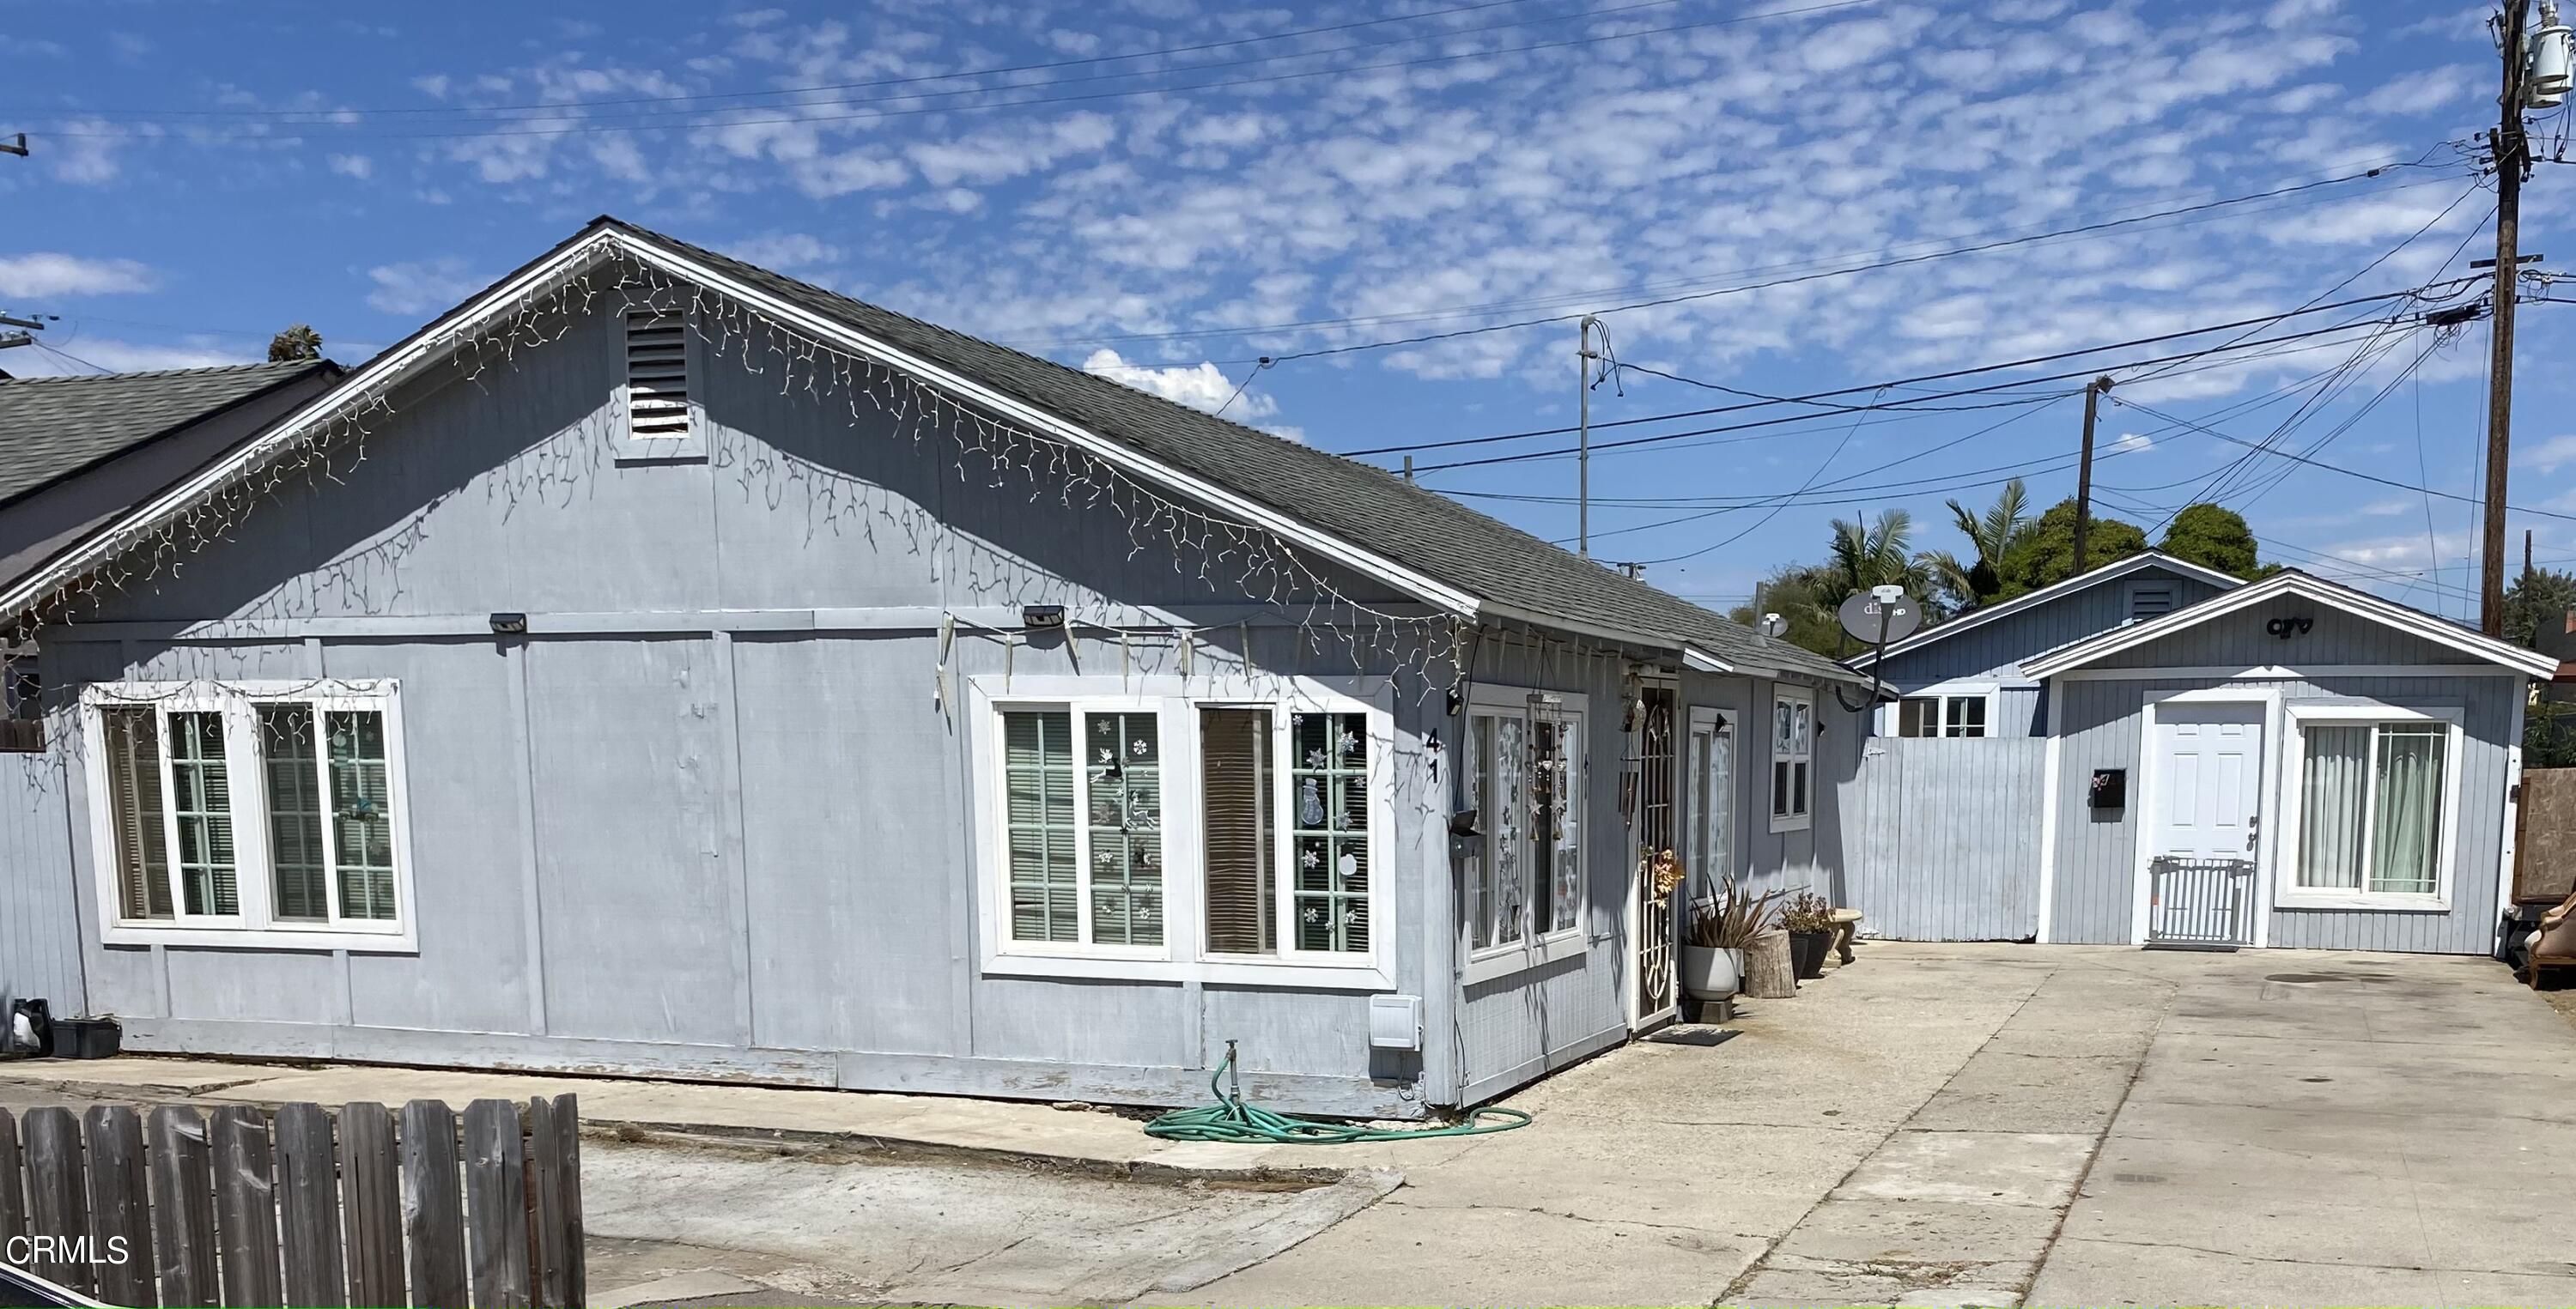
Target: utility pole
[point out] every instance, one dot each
(26, 336)
(2084, 472)
(1583, 357)
(2512, 152)
(15, 145)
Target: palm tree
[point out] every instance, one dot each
(1878, 553)
(2005, 524)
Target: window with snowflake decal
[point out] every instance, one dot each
(1329, 810)
(1085, 839)
(1523, 868)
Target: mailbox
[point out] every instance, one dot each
(2109, 788)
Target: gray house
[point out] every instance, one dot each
(657, 665)
(75, 452)
(2286, 762)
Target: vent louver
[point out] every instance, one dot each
(657, 375)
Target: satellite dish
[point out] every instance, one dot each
(1871, 619)
(1772, 625)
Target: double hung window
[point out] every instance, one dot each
(1942, 715)
(1524, 777)
(247, 815)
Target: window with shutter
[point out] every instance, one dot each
(251, 814)
(657, 375)
(1037, 755)
(1240, 831)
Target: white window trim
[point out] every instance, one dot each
(2286, 892)
(1771, 756)
(257, 926)
(1535, 949)
(1182, 956)
(1889, 724)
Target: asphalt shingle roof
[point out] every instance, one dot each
(52, 427)
(1365, 505)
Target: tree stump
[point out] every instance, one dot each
(1768, 973)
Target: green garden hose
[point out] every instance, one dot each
(1230, 1119)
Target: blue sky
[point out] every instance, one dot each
(206, 174)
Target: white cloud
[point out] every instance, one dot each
(43, 276)
(2130, 443)
(357, 166)
(421, 288)
(2549, 456)
(85, 151)
(1202, 386)
(2425, 91)
(784, 250)
(124, 356)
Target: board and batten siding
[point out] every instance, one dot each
(39, 926)
(1994, 651)
(2097, 851)
(707, 817)
(1947, 846)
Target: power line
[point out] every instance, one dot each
(2262, 320)
(1979, 248)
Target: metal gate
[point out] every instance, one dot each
(2200, 903)
(1651, 813)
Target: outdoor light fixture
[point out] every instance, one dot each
(510, 624)
(1042, 617)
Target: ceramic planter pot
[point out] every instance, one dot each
(1711, 973)
(1807, 953)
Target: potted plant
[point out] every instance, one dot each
(1721, 926)
(1809, 918)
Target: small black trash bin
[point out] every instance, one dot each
(87, 1038)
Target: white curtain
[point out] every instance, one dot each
(2332, 792)
(2406, 832)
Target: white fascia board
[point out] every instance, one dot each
(2357, 603)
(1699, 660)
(441, 336)
(2106, 573)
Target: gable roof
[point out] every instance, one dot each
(2360, 604)
(53, 427)
(1358, 515)
(2113, 571)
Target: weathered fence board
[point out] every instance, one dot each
(371, 1205)
(306, 1209)
(2544, 846)
(496, 1206)
(120, 1214)
(433, 1204)
(1948, 844)
(57, 1206)
(246, 1207)
(13, 1193)
(183, 1207)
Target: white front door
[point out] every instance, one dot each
(2207, 823)
(2210, 791)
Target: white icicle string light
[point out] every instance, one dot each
(1265, 568)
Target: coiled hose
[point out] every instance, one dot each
(1230, 1119)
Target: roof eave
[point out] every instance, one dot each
(2056, 590)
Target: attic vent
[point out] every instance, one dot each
(2150, 601)
(657, 375)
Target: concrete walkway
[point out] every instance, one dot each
(1933, 1125)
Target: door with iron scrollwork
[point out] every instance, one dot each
(1655, 833)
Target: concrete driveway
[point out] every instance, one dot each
(1998, 1125)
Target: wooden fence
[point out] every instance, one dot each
(1944, 845)
(175, 1207)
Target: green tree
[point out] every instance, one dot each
(1797, 593)
(2213, 536)
(2538, 601)
(2047, 555)
(295, 345)
(1991, 536)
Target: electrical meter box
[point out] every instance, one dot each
(1395, 1022)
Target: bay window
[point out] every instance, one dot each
(1793, 759)
(254, 814)
(1167, 835)
(2374, 797)
(1523, 866)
